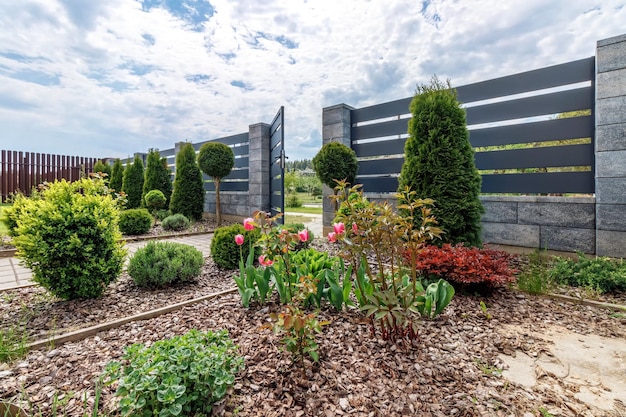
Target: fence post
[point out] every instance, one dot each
(610, 147)
(336, 126)
(259, 167)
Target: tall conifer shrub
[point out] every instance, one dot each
(188, 194)
(157, 176)
(117, 176)
(132, 183)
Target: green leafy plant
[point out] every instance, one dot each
(163, 213)
(154, 200)
(157, 176)
(535, 277)
(13, 343)
(176, 222)
(69, 237)
(103, 168)
(117, 176)
(293, 201)
(184, 375)
(335, 161)
(439, 163)
(224, 250)
(135, 221)
(599, 273)
(253, 283)
(437, 297)
(132, 183)
(483, 308)
(216, 160)
(162, 263)
(188, 195)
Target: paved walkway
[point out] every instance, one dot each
(12, 274)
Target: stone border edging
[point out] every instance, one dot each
(90, 331)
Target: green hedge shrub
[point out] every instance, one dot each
(224, 250)
(162, 263)
(69, 237)
(181, 376)
(176, 222)
(117, 176)
(132, 183)
(135, 221)
(188, 195)
(598, 273)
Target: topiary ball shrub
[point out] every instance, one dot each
(181, 376)
(68, 236)
(176, 222)
(162, 263)
(155, 199)
(135, 221)
(224, 250)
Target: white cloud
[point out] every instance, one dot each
(117, 77)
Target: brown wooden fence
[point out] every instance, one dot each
(21, 171)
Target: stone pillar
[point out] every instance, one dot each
(336, 126)
(259, 167)
(610, 147)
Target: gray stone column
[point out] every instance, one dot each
(610, 147)
(336, 126)
(259, 167)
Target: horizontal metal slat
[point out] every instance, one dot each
(228, 140)
(276, 183)
(241, 150)
(275, 170)
(227, 186)
(378, 130)
(238, 174)
(539, 183)
(553, 156)
(381, 166)
(379, 184)
(383, 147)
(242, 162)
(380, 111)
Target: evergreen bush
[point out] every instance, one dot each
(439, 163)
(157, 176)
(188, 194)
(176, 222)
(224, 250)
(117, 176)
(135, 221)
(163, 263)
(132, 183)
(100, 166)
(216, 160)
(154, 200)
(162, 214)
(69, 237)
(335, 161)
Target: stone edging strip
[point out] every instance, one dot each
(90, 331)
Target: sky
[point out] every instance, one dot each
(108, 78)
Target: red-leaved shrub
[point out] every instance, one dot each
(461, 265)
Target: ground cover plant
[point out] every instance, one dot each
(163, 263)
(601, 274)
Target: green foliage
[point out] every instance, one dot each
(132, 183)
(216, 160)
(293, 201)
(439, 163)
(188, 194)
(157, 176)
(117, 176)
(162, 214)
(69, 238)
(600, 273)
(535, 277)
(162, 263)
(135, 221)
(437, 297)
(154, 200)
(224, 250)
(335, 161)
(176, 222)
(100, 166)
(13, 343)
(181, 376)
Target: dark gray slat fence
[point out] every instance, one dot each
(238, 179)
(556, 129)
(277, 149)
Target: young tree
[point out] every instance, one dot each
(335, 161)
(117, 176)
(157, 176)
(188, 194)
(100, 166)
(216, 160)
(132, 183)
(439, 163)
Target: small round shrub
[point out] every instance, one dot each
(155, 199)
(225, 251)
(176, 222)
(162, 214)
(162, 263)
(135, 221)
(293, 201)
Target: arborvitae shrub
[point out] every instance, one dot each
(69, 237)
(225, 251)
(162, 263)
(135, 221)
(439, 163)
(216, 160)
(157, 176)
(188, 194)
(335, 161)
(117, 176)
(132, 183)
(175, 222)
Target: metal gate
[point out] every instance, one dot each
(277, 163)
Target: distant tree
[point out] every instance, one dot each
(188, 195)
(439, 163)
(157, 176)
(100, 166)
(216, 160)
(117, 176)
(132, 183)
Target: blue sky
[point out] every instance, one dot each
(108, 78)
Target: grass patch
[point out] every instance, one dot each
(13, 342)
(535, 278)
(306, 210)
(294, 218)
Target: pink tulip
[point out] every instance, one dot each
(239, 240)
(263, 260)
(303, 235)
(332, 237)
(339, 228)
(355, 229)
(248, 223)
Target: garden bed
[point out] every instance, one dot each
(454, 369)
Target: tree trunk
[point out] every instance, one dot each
(218, 209)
